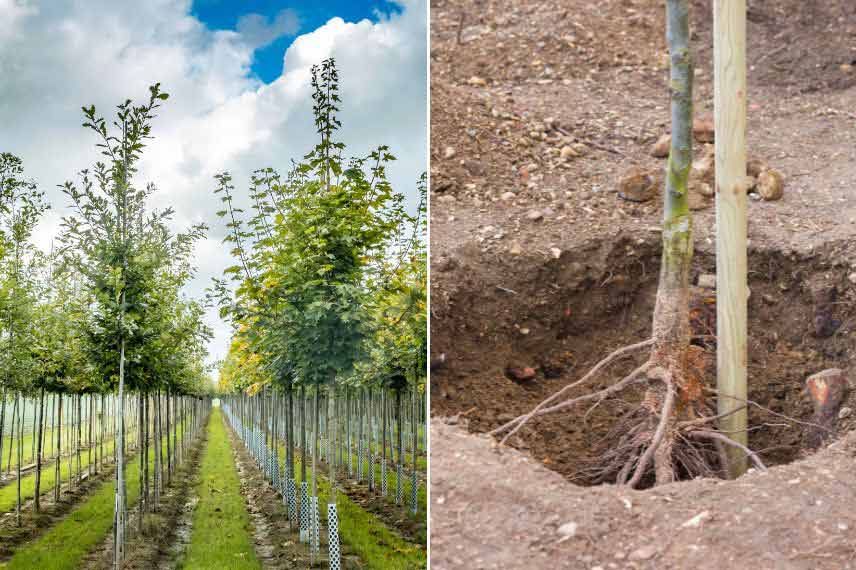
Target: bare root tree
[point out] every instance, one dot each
(670, 434)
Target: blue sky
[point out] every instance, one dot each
(310, 14)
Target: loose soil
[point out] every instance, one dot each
(536, 262)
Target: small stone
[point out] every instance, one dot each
(637, 185)
(755, 166)
(707, 281)
(644, 553)
(662, 146)
(475, 168)
(852, 278)
(704, 169)
(519, 373)
(534, 215)
(556, 252)
(445, 264)
(846, 67)
(844, 412)
(704, 128)
(450, 152)
(524, 331)
(771, 185)
(568, 152)
(696, 520)
(515, 248)
(750, 184)
(507, 196)
(568, 530)
(476, 81)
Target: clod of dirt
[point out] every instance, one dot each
(568, 152)
(698, 198)
(703, 128)
(662, 146)
(520, 373)
(825, 297)
(638, 185)
(771, 185)
(707, 281)
(704, 169)
(534, 215)
(755, 166)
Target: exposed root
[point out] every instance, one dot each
(651, 444)
(520, 421)
(704, 434)
(657, 440)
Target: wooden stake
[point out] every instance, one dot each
(729, 56)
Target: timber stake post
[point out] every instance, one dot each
(729, 37)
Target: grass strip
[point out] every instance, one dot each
(64, 546)
(222, 536)
(370, 539)
(9, 493)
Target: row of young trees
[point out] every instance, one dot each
(102, 317)
(327, 297)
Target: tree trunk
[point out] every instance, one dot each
(119, 509)
(58, 463)
(20, 458)
(37, 490)
(2, 423)
(12, 433)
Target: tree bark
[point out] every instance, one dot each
(37, 491)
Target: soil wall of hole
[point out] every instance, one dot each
(560, 315)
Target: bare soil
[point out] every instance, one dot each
(536, 262)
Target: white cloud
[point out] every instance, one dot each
(57, 56)
(257, 31)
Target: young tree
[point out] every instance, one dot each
(120, 246)
(307, 261)
(21, 207)
(672, 426)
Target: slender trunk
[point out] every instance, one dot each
(414, 424)
(79, 431)
(58, 463)
(671, 327)
(400, 444)
(169, 461)
(37, 490)
(12, 433)
(383, 410)
(119, 509)
(2, 422)
(332, 429)
(20, 458)
(302, 434)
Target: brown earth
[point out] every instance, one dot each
(505, 511)
(537, 112)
